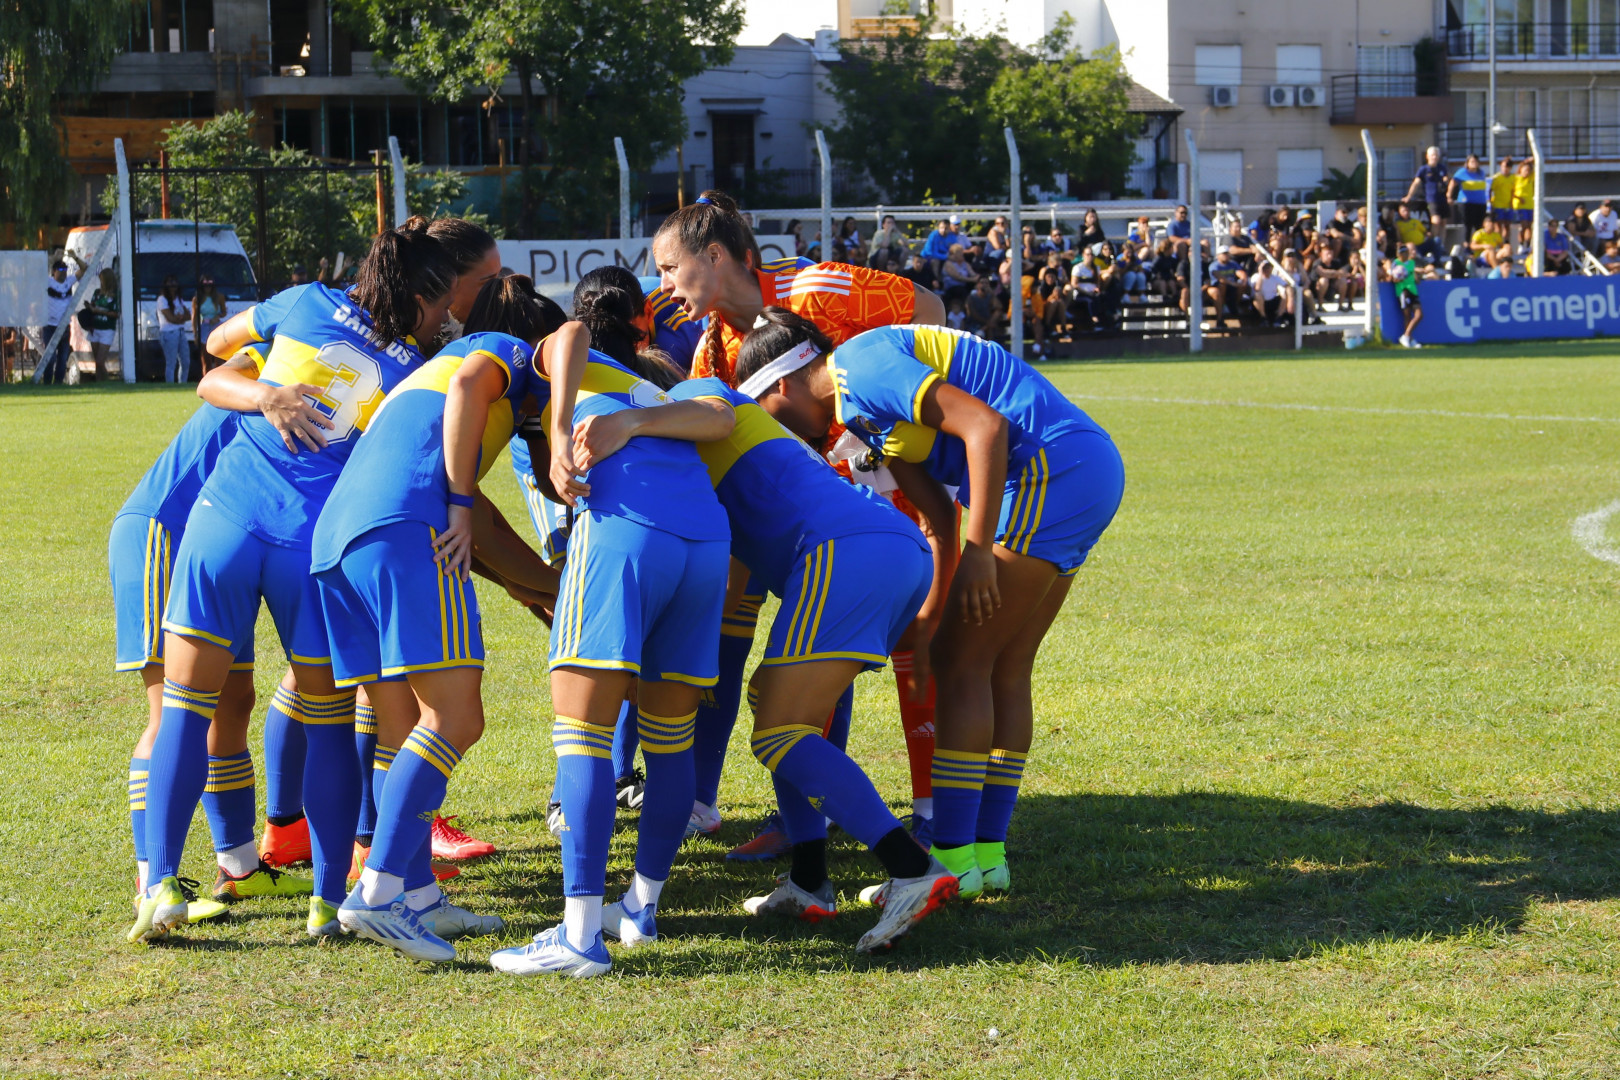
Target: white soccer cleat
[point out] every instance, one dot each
(395, 925)
(705, 820)
(550, 952)
(630, 928)
(907, 902)
(997, 879)
(790, 901)
(447, 921)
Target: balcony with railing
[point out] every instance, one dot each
(1520, 41)
(1560, 143)
(1420, 98)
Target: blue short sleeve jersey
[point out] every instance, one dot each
(659, 483)
(882, 375)
(781, 497)
(317, 336)
(397, 471)
(672, 330)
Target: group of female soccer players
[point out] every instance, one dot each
(334, 477)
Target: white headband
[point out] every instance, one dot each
(786, 364)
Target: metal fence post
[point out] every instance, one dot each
(624, 188)
(402, 210)
(1195, 262)
(128, 317)
(826, 196)
(1538, 236)
(1369, 253)
(1015, 244)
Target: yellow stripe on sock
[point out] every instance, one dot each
(772, 745)
(666, 734)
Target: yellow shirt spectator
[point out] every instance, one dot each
(1411, 231)
(1488, 237)
(1524, 192)
(1502, 191)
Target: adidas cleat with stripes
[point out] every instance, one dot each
(906, 902)
(446, 920)
(630, 928)
(550, 953)
(395, 925)
(790, 901)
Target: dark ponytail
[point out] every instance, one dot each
(464, 242)
(713, 219)
(782, 330)
(404, 262)
(512, 305)
(606, 301)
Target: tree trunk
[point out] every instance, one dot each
(525, 78)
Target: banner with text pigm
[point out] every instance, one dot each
(1458, 312)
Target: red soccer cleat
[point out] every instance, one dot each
(450, 842)
(441, 871)
(284, 845)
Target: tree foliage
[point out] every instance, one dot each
(308, 214)
(924, 115)
(603, 68)
(47, 47)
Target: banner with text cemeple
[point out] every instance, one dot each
(564, 262)
(1510, 309)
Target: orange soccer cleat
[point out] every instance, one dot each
(450, 842)
(442, 871)
(285, 845)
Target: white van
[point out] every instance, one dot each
(185, 249)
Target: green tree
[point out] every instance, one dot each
(924, 115)
(601, 67)
(47, 48)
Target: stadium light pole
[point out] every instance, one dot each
(826, 196)
(624, 188)
(1015, 244)
(1195, 265)
(1369, 251)
(1538, 236)
(125, 224)
(397, 159)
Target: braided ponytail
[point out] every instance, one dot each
(404, 263)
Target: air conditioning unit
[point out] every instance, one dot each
(1283, 197)
(1280, 97)
(1225, 198)
(1223, 97)
(1310, 97)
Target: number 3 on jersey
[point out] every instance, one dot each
(351, 388)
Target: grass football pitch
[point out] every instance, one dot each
(1324, 782)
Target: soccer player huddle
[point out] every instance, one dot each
(905, 490)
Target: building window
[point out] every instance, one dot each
(1299, 65)
(1386, 71)
(1300, 169)
(1218, 65)
(1220, 172)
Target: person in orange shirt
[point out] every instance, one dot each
(710, 262)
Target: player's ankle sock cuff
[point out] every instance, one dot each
(990, 854)
(901, 855)
(281, 821)
(958, 859)
(809, 870)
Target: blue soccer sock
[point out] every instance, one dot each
(365, 748)
(833, 784)
(717, 715)
(666, 802)
(138, 769)
(625, 741)
(1002, 775)
(228, 800)
(372, 779)
(801, 821)
(838, 723)
(585, 790)
(284, 749)
(178, 772)
(331, 788)
(415, 789)
(958, 778)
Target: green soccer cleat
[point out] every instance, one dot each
(163, 909)
(196, 910)
(964, 863)
(260, 881)
(997, 879)
(323, 919)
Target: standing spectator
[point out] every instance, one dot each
(58, 291)
(1179, 229)
(1470, 190)
(1524, 199)
(100, 318)
(888, 242)
(1091, 231)
(1502, 195)
(209, 311)
(1606, 223)
(173, 318)
(1431, 183)
(1580, 227)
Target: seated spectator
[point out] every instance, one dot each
(956, 275)
(985, 316)
(1408, 229)
(1055, 244)
(1555, 252)
(1140, 232)
(1606, 223)
(1268, 294)
(1330, 275)
(1032, 254)
(1611, 256)
(1132, 262)
(1433, 249)
(1241, 245)
(1355, 280)
(1184, 271)
(956, 316)
(1083, 293)
(1050, 306)
(1163, 270)
(1091, 231)
(922, 272)
(1305, 233)
(1502, 262)
(1580, 227)
(1341, 228)
(1485, 243)
(1225, 286)
(1296, 268)
(1110, 288)
(1179, 229)
(889, 242)
(995, 241)
(937, 248)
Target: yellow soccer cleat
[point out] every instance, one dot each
(260, 881)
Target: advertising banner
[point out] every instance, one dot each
(564, 262)
(1509, 309)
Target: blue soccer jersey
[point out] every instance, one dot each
(319, 337)
(782, 499)
(397, 471)
(660, 483)
(882, 375)
(673, 331)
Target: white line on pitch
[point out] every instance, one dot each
(1590, 532)
(1296, 407)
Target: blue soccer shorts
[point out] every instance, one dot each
(851, 599)
(1062, 499)
(140, 556)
